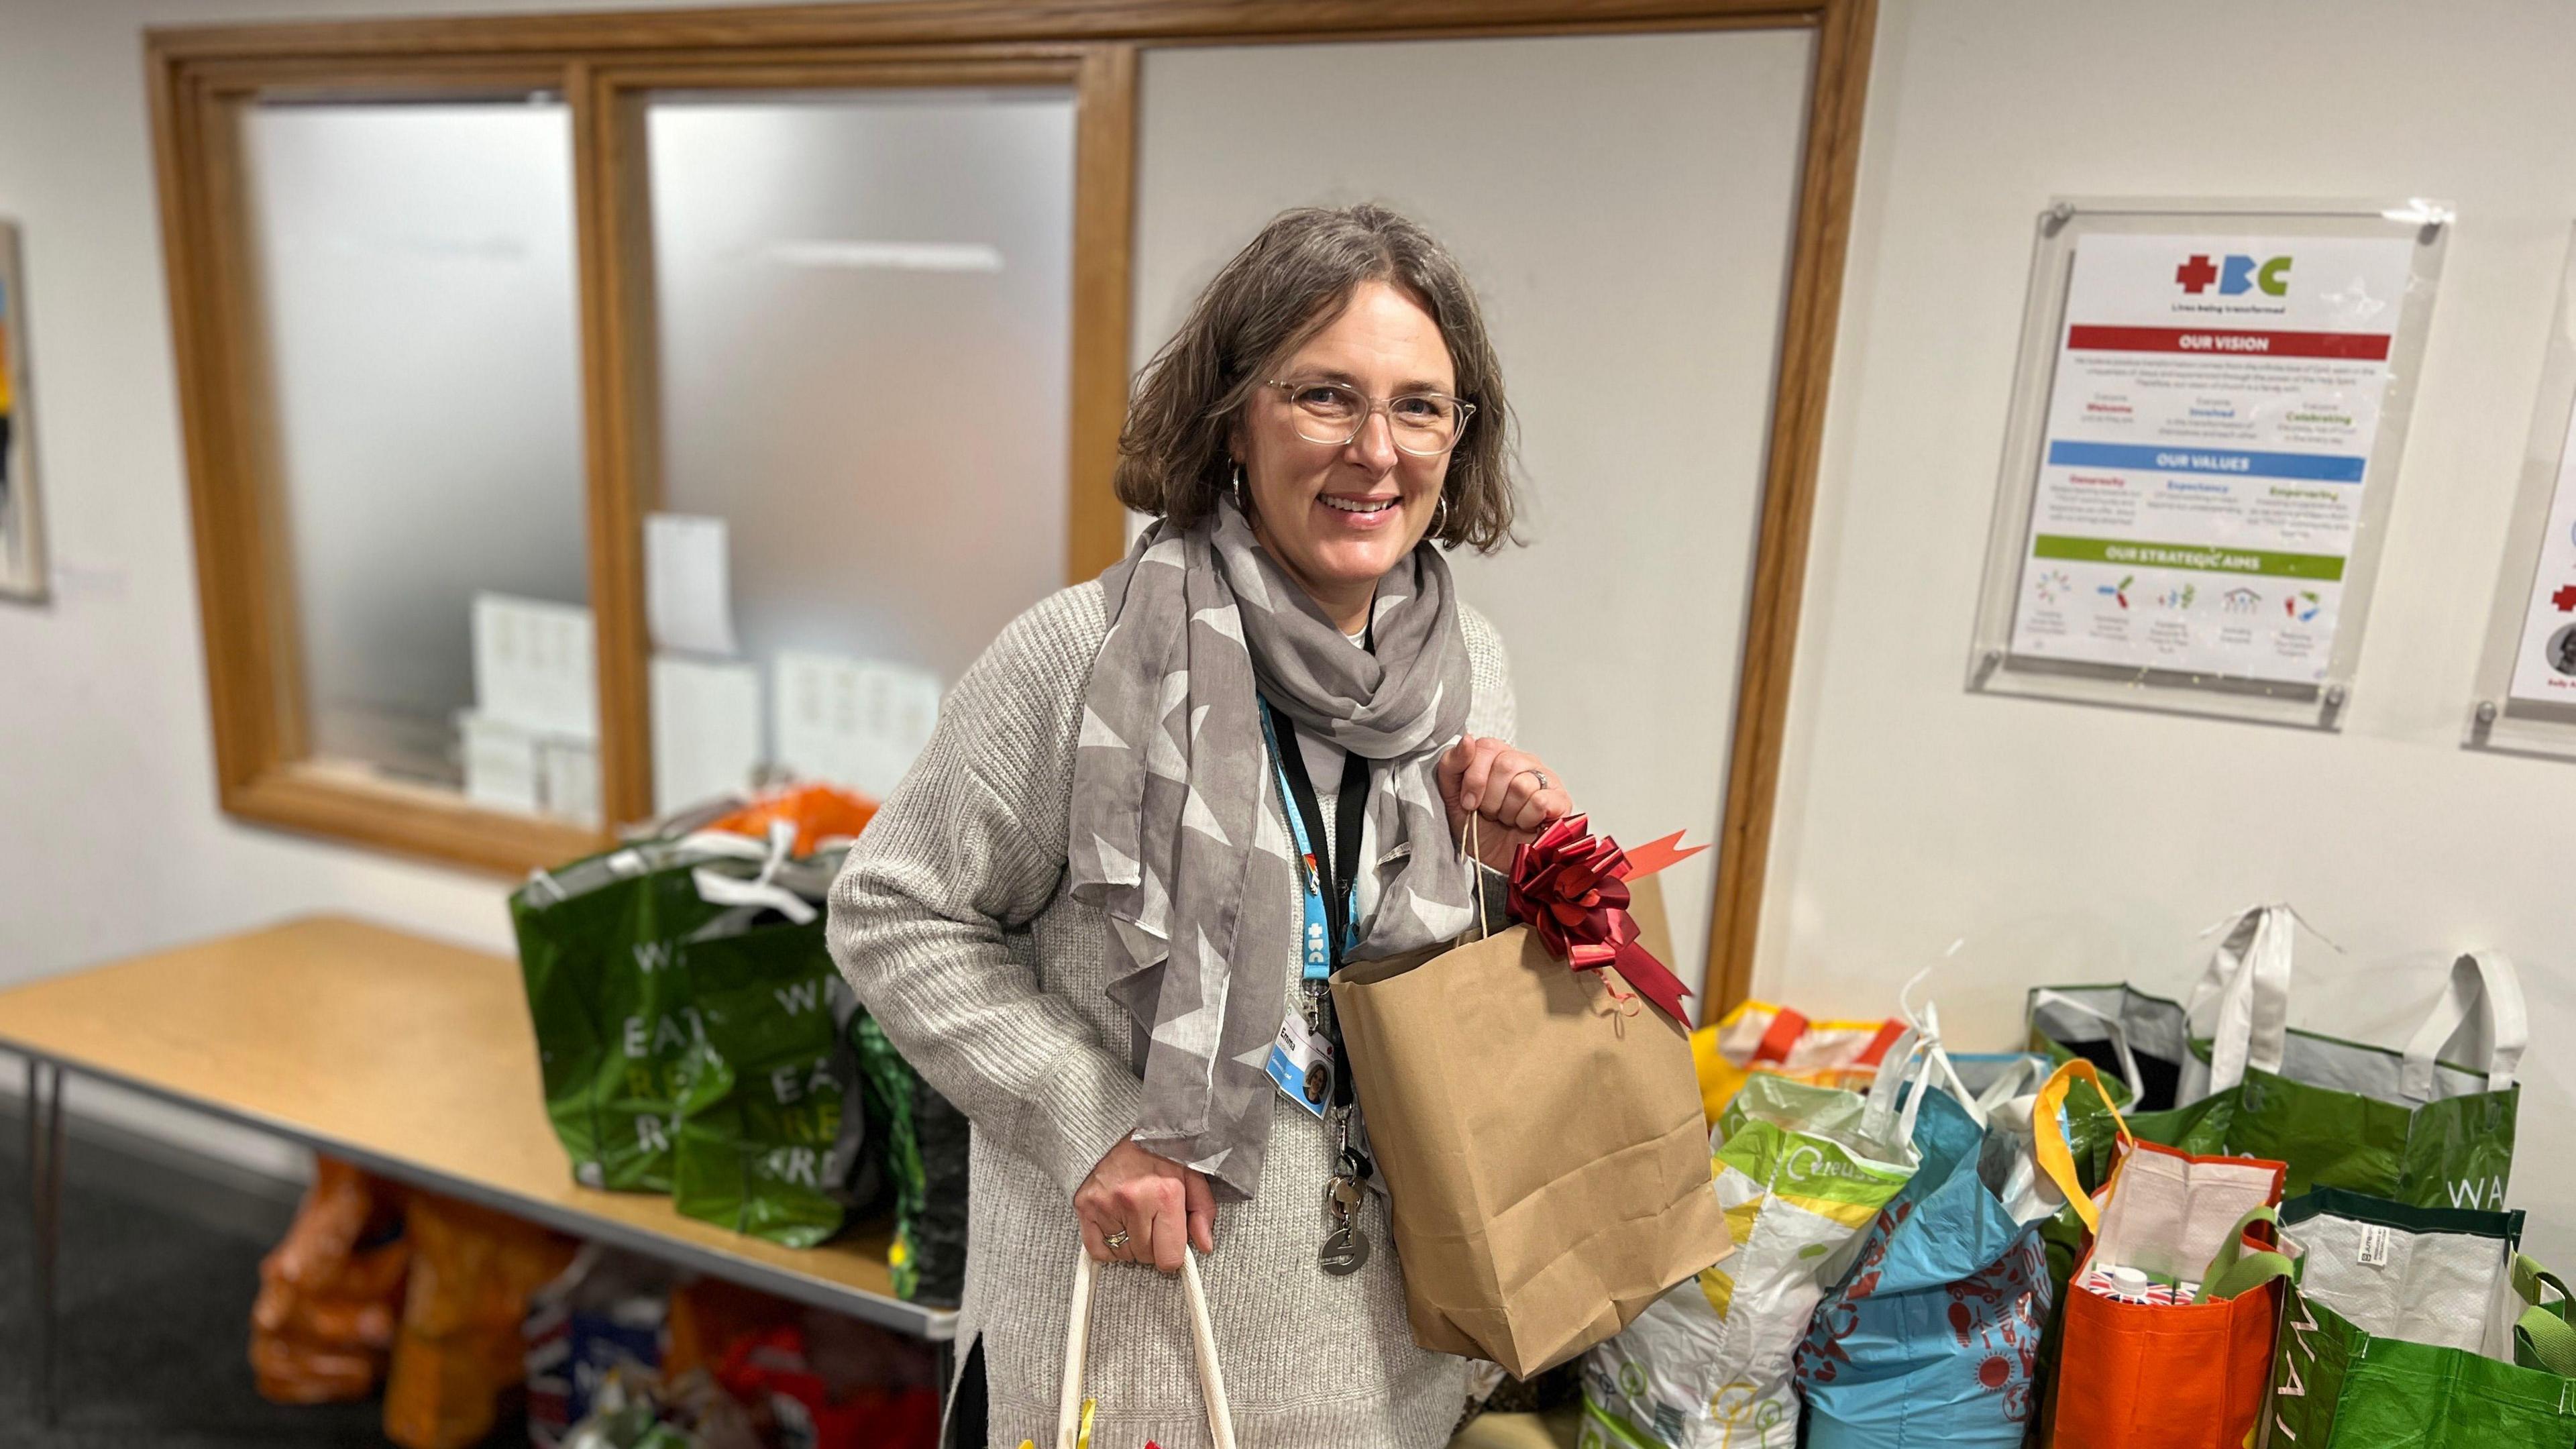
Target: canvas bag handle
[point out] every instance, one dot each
(1073, 1410)
(2118, 1034)
(2248, 978)
(2480, 981)
(2233, 1272)
(2048, 1137)
(2550, 1339)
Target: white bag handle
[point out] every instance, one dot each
(2111, 1027)
(1911, 1061)
(2249, 978)
(2024, 1071)
(724, 890)
(1077, 1348)
(2479, 980)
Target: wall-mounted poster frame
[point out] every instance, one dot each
(2206, 425)
(22, 521)
(2526, 681)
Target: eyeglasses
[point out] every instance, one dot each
(1424, 424)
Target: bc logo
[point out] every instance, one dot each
(2235, 274)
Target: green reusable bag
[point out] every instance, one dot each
(602, 957)
(2407, 1125)
(2403, 1328)
(924, 1141)
(771, 1124)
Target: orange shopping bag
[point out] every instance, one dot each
(2170, 1312)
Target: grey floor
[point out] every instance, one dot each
(157, 1275)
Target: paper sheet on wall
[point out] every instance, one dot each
(2544, 659)
(534, 666)
(2210, 426)
(706, 730)
(855, 722)
(688, 583)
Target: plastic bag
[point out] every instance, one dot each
(822, 815)
(459, 1352)
(925, 1139)
(1802, 1172)
(331, 1291)
(600, 1321)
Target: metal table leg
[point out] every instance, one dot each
(45, 1216)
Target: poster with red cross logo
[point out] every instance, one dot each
(2209, 434)
(2544, 663)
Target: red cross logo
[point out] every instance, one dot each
(2565, 599)
(2196, 275)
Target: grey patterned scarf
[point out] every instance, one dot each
(1178, 830)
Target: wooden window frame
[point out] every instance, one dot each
(602, 63)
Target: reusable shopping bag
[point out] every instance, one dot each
(771, 1121)
(2402, 1125)
(2403, 1327)
(2170, 1373)
(1933, 1336)
(331, 1292)
(1537, 1124)
(1802, 1171)
(602, 956)
(923, 1139)
(1074, 1407)
(1759, 1037)
(458, 1358)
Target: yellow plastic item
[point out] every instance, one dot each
(1760, 1037)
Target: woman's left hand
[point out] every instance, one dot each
(1515, 795)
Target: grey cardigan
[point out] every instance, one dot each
(951, 923)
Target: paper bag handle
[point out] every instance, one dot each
(2048, 1137)
(1476, 873)
(2480, 981)
(1071, 1407)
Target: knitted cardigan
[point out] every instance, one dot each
(951, 922)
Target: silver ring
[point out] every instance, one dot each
(1114, 1241)
(1542, 777)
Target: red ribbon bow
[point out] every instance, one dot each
(1570, 887)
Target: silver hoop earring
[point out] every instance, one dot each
(1242, 503)
(1440, 517)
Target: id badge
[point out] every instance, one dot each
(1301, 1062)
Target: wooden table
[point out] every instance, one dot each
(410, 1058)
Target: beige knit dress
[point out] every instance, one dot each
(951, 923)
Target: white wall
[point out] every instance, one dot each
(2068, 842)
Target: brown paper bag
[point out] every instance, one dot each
(1542, 1143)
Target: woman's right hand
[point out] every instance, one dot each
(1162, 1206)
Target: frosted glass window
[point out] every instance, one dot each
(416, 285)
(863, 310)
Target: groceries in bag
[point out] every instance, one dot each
(1802, 1172)
(1531, 1106)
(1932, 1337)
(2407, 1325)
(2412, 1125)
(2156, 1375)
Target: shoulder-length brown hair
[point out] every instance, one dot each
(1288, 284)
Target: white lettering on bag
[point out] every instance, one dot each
(648, 1135)
(794, 1164)
(800, 997)
(652, 956)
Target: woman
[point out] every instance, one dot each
(1083, 915)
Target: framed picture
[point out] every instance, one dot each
(22, 532)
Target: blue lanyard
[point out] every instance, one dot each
(1316, 940)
